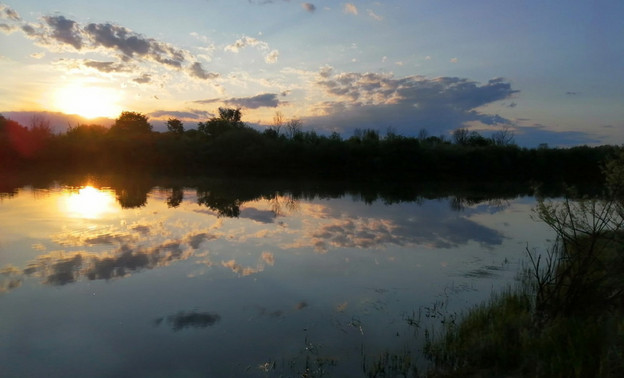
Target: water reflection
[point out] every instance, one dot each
(192, 319)
(259, 272)
(154, 242)
(88, 202)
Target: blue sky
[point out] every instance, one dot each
(553, 72)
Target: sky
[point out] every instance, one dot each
(550, 72)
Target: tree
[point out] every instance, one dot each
(229, 119)
(293, 128)
(233, 116)
(461, 136)
(131, 123)
(504, 137)
(175, 126)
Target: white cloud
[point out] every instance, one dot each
(350, 8)
(244, 42)
(272, 57)
(374, 15)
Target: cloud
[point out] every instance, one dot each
(191, 114)
(272, 57)
(192, 319)
(265, 100)
(196, 70)
(65, 31)
(370, 100)
(7, 29)
(143, 79)
(350, 8)
(60, 32)
(437, 226)
(308, 7)
(8, 13)
(373, 15)
(261, 216)
(244, 42)
(107, 67)
(67, 267)
(533, 136)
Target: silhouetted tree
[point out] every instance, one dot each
(293, 127)
(461, 136)
(131, 123)
(229, 119)
(503, 137)
(475, 139)
(232, 116)
(278, 122)
(175, 126)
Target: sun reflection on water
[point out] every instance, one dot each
(89, 202)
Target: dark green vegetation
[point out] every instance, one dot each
(226, 145)
(566, 319)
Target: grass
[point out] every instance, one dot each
(565, 319)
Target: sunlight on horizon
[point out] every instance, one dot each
(89, 203)
(87, 101)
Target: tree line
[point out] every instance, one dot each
(224, 144)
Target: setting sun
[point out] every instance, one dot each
(87, 101)
(89, 202)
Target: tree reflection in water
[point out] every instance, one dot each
(335, 265)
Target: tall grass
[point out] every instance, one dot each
(565, 319)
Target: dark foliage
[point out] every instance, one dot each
(226, 145)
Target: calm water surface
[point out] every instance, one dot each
(100, 281)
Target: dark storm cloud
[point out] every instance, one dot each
(411, 103)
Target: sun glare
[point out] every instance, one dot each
(87, 101)
(89, 202)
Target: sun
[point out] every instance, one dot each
(87, 101)
(89, 203)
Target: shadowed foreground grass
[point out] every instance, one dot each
(565, 319)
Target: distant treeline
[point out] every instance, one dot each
(226, 145)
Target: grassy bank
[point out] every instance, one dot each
(564, 319)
